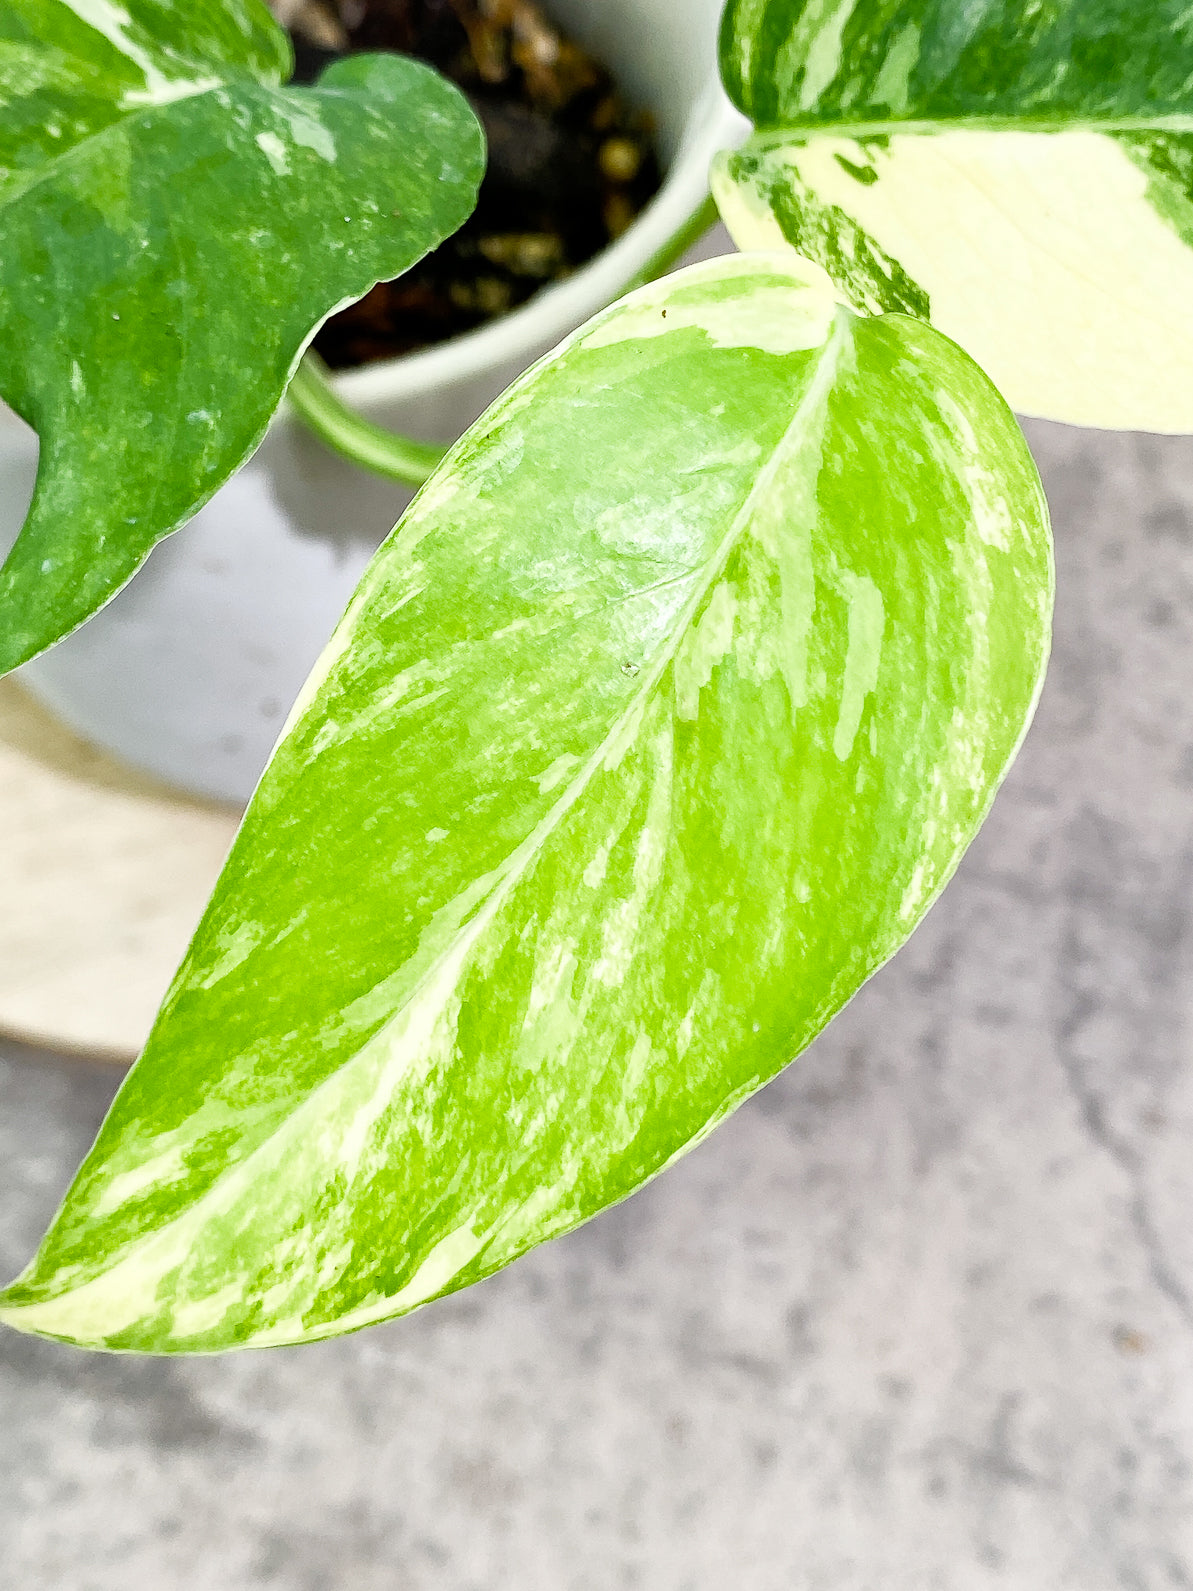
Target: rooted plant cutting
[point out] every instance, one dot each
(674, 699)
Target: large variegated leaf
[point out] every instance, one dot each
(1019, 172)
(173, 226)
(652, 731)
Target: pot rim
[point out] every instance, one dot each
(713, 124)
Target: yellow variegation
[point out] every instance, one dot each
(1019, 173)
(652, 731)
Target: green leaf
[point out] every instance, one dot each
(1020, 173)
(652, 731)
(173, 226)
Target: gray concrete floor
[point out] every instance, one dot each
(919, 1316)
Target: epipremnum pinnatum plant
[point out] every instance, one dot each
(612, 787)
(674, 699)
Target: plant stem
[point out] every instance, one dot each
(371, 446)
(399, 458)
(677, 245)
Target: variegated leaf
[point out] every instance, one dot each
(651, 733)
(173, 227)
(1020, 173)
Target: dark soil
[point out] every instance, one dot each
(570, 164)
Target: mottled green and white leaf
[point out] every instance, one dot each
(173, 226)
(650, 734)
(1019, 173)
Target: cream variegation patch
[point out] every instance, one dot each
(1040, 253)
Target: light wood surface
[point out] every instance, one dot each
(103, 876)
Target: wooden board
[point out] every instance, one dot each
(103, 876)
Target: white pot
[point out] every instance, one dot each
(190, 671)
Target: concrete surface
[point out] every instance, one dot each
(919, 1318)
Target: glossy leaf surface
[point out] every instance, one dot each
(1020, 173)
(652, 731)
(173, 226)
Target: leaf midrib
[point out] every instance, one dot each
(522, 856)
(775, 133)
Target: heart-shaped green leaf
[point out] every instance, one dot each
(173, 226)
(1020, 173)
(649, 735)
